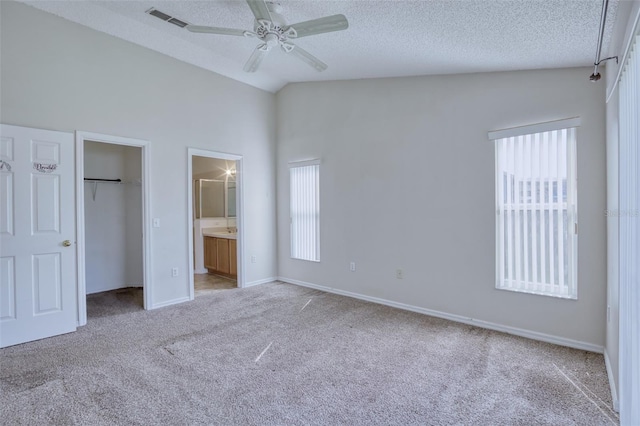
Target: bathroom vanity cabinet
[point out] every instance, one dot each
(220, 256)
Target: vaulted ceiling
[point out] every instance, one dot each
(388, 38)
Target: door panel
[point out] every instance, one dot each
(46, 283)
(7, 289)
(45, 152)
(6, 148)
(46, 204)
(38, 296)
(222, 246)
(210, 253)
(6, 215)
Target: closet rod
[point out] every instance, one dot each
(102, 180)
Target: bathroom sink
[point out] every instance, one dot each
(219, 233)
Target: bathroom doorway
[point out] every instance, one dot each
(215, 218)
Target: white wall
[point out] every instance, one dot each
(416, 150)
(627, 15)
(63, 76)
(113, 220)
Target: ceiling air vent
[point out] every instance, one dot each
(167, 18)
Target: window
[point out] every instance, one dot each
(305, 210)
(628, 216)
(536, 209)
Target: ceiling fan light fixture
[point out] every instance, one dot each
(271, 40)
(271, 28)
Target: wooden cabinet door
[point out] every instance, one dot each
(222, 245)
(233, 260)
(210, 253)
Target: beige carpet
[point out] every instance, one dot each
(114, 302)
(278, 354)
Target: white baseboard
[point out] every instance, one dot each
(169, 302)
(201, 271)
(612, 383)
(258, 282)
(562, 341)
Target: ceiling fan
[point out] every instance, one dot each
(272, 30)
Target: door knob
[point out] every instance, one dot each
(66, 243)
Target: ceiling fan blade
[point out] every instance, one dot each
(256, 58)
(305, 56)
(321, 25)
(259, 9)
(216, 30)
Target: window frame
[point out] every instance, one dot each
(570, 245)
(313, 231)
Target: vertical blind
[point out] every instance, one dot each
(536, 213)
(629, 234)
(305, 210)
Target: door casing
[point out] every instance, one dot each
(81, 137)
(191, 152)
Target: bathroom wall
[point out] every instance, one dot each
(210, 168)
(113, 220)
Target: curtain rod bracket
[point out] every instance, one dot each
(606, 59)
(603, 20)
(596, 75)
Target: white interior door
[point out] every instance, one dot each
(37, 235)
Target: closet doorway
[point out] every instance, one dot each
(215, 221)
(112, 225)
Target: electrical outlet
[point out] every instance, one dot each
(253, 259)
(174, 272)
(352, 266)
(399, 274)
(156, 222)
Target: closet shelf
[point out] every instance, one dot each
(95, 181)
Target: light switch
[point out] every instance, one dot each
(156, 222)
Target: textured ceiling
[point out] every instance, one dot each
(385, 38)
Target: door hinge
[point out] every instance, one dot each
(576, 228)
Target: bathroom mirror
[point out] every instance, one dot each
(212, 195)
(209, 198)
